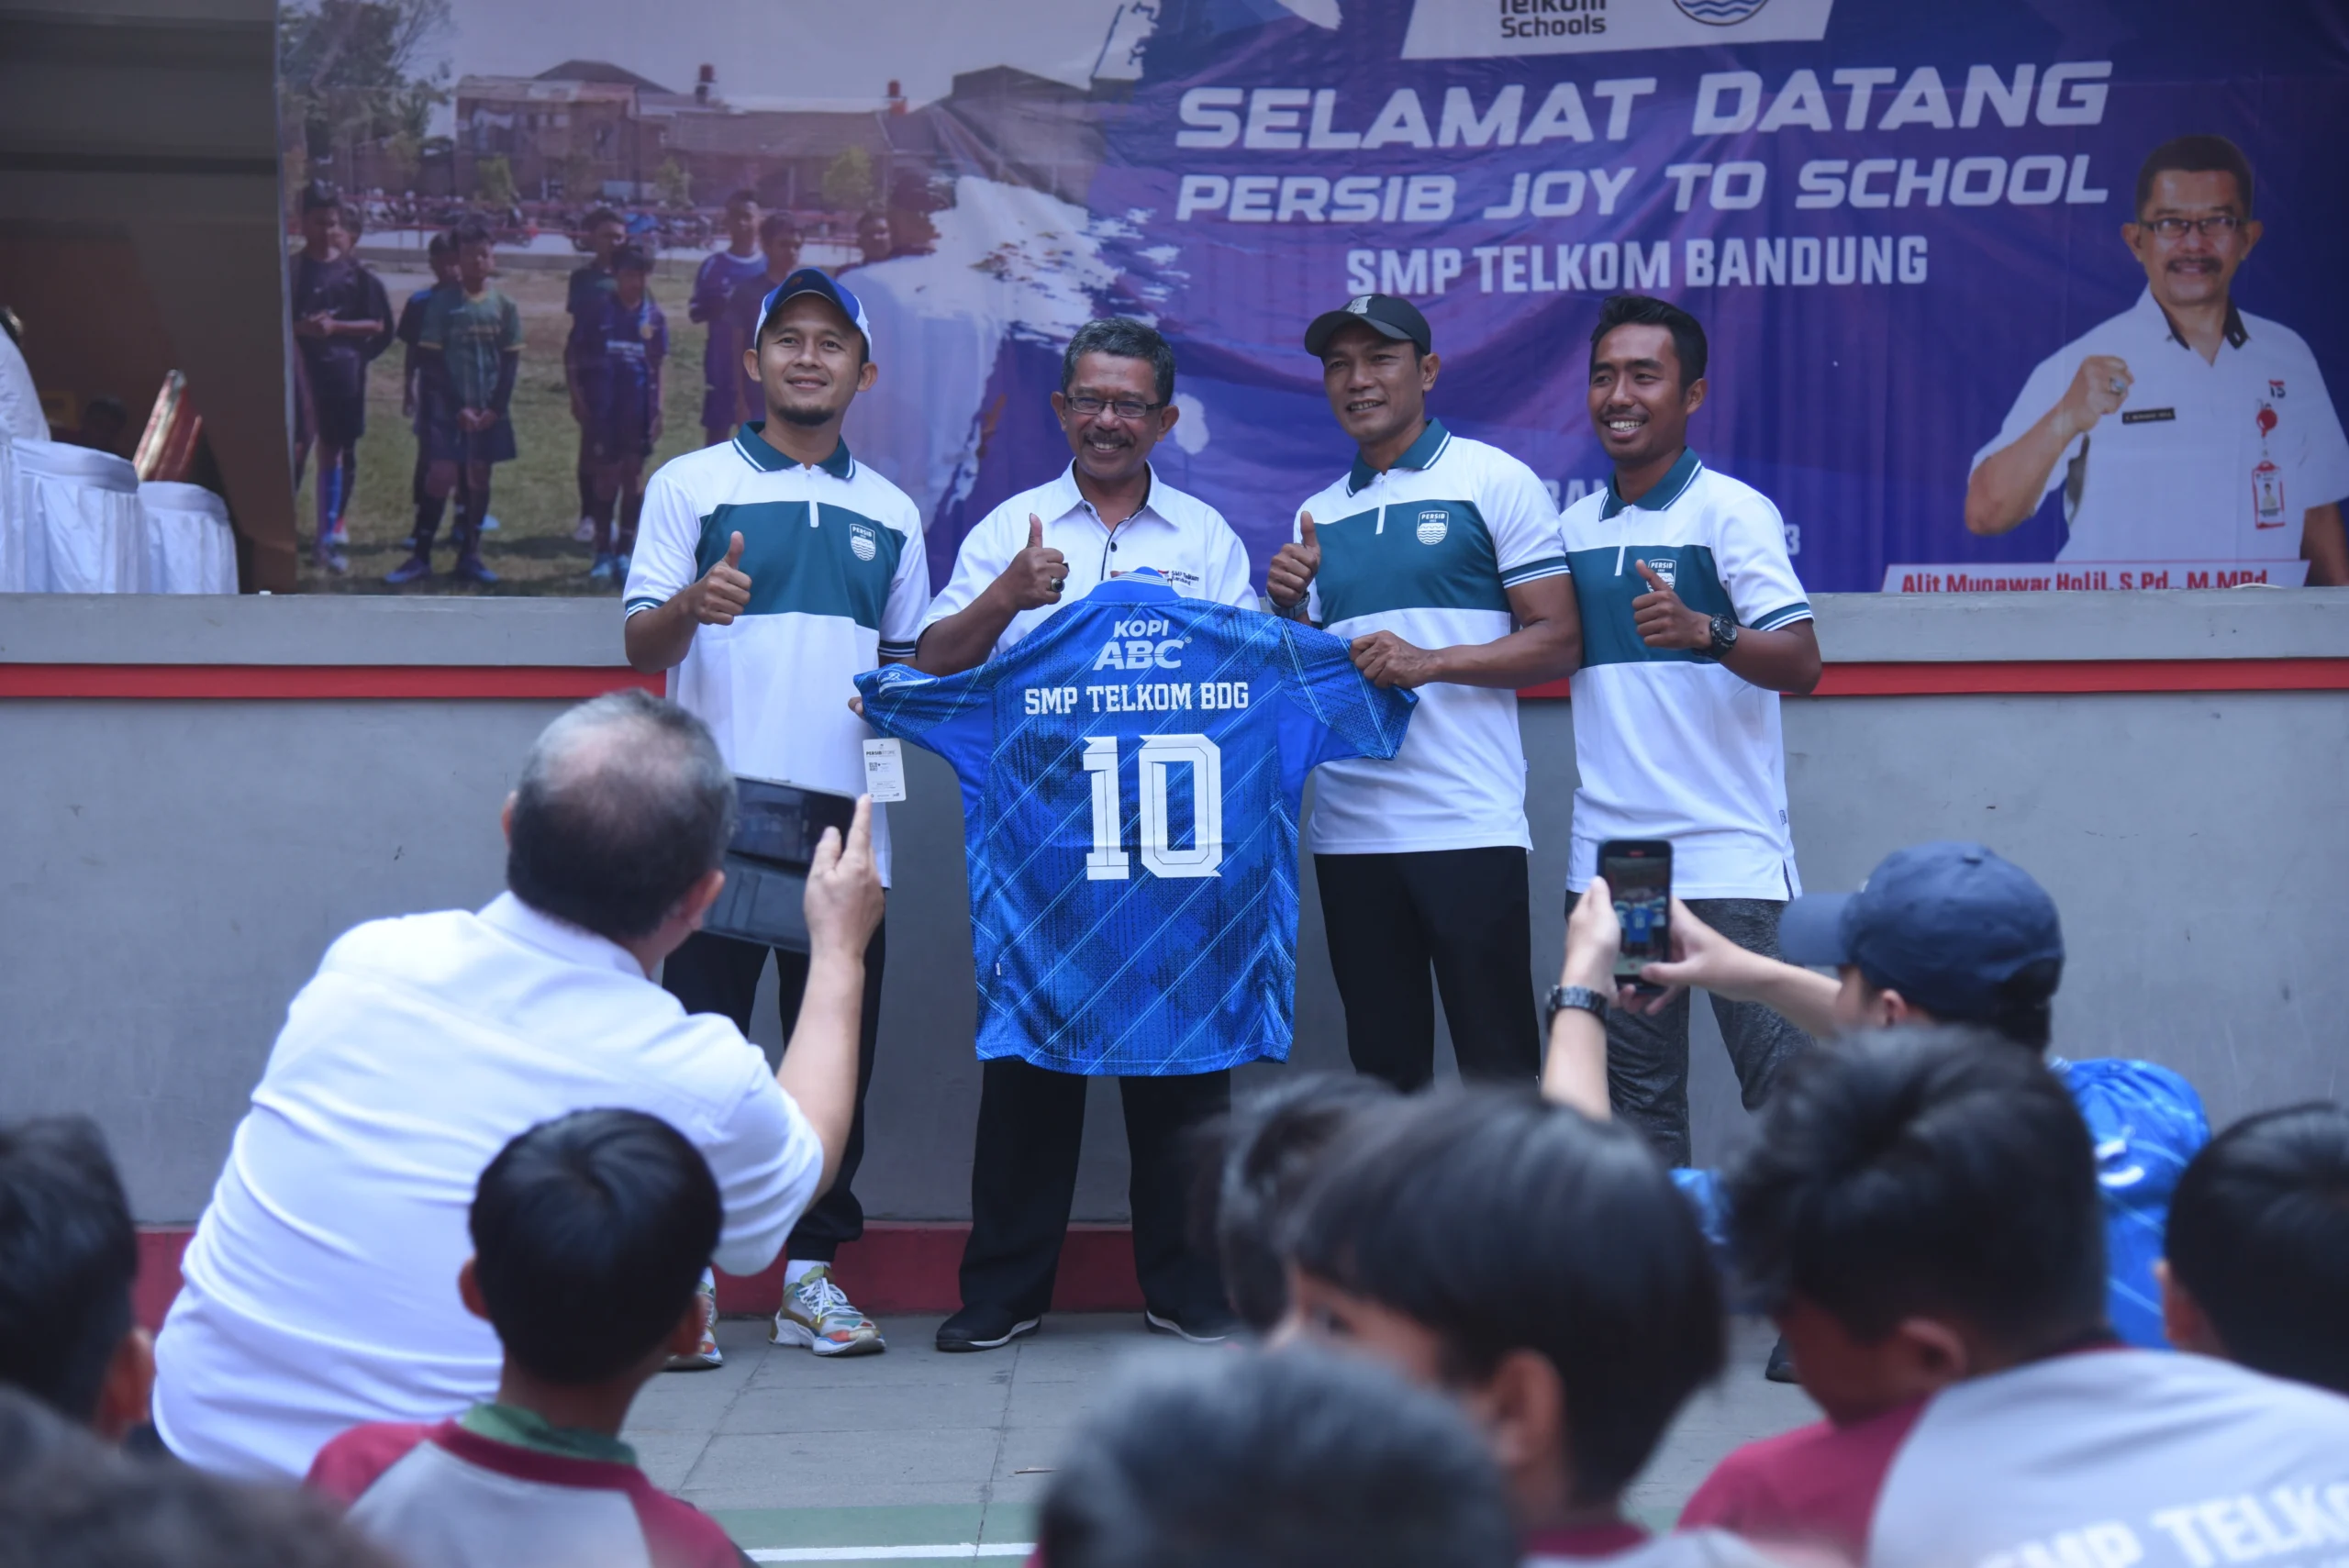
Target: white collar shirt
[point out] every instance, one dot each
(320, 1285)
(2212, 461)
(1174, 534)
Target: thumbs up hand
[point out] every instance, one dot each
(723, 592)
(1663, 620)
(1034, 577)
(1292, 569)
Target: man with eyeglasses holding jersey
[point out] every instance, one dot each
(2183, 429)
(1108, 513)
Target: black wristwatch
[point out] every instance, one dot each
(1725, 637)
(1561, 997)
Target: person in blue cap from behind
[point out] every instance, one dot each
(1951, 933)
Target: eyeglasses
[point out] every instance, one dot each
(1124, 407)
(2217, 225)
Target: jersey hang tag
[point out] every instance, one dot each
(884, 770)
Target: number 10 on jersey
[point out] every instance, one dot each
(1108, 861)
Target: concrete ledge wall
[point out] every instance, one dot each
(170, 870)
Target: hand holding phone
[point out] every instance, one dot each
(1639, 874)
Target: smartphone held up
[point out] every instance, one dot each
(1639, 875)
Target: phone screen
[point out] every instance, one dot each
(1640, 876)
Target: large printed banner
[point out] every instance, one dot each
(1945, 338)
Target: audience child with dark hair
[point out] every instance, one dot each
(1271, 1145)
(589, 289)
(1949, 933)
(1540, 1268)
(67, 1502)
(590, 1233)
(470, 348)
(616, 377)
(779, 244)
(1289, 1461)
(2255, 1267)
(69, 1257)
(416, 387)
(1920, 1213)
(342, 320)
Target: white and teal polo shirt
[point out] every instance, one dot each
(1429, 551)
(838, 580)
(1669, 743)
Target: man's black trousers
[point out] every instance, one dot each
(1463, 913)
(720, 975)
(1023, 1179)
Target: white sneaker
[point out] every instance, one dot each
(818, 1314)
(704, 1356)
(585, 532)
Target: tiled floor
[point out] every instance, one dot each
(881, 1457)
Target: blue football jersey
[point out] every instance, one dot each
(1131, 779)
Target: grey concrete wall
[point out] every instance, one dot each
(171, 870)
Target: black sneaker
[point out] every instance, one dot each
(983, 1329)
(1781, 1367)
(1209, 1326)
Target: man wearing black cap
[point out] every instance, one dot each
(1949, 933)
(1440, 558)
(770, 572)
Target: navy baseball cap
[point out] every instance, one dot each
(815, 281)
(1382, 313)
(1944, 924)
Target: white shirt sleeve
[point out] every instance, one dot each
(902, 617)
(1226, 567)
(1750, 553)
(767, 1161)
(981, 560)
(1524, 522)
(2043, 390)
(20, 415)
(668, 538)
(2324, 453)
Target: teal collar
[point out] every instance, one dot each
(766, 460)
(517, 1428)
(1421, 454)
(1676, 479)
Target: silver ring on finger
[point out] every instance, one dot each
(2116, 386)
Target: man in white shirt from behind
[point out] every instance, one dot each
(321, 1282)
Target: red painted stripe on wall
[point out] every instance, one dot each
(2058, 677)
(324, 682)
(251, 682)
(898, 1267)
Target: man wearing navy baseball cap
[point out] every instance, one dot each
(1951, 933)
(769, 573)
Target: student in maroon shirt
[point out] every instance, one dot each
(1541, 1269)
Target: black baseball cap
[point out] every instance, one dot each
(1396, 319)
(1945, 924)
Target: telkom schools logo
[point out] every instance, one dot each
(1142, 644)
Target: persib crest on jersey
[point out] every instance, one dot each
(863, 542)
(1666, 568)
(1433, 525)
